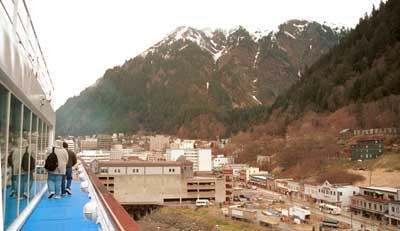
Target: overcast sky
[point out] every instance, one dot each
(83, 38)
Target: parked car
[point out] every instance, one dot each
(202, 202)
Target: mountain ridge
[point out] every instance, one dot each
(183, 82)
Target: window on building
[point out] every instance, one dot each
(15, 144)
(3, 133)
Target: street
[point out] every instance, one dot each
(356, 221)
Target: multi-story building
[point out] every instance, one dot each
(245, 173)
(393, 215)
(220, 161)
(259, 179)
(376, 131)
(187, 144)
(271, 183)
(281, 185)
(119, 153)
(310, 192)
(159, 143)
(294, 188)
(156, 156)
(365, 148)
(335, 194)
(88, 144)
(104, 142)
(134, 182)
(201, 158)
(228, 176)
(236, 169)
(373, 202)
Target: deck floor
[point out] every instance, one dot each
(62, 214)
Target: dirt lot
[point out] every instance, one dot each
(189, 219)
(379, 177)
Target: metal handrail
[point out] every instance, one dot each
(121, 220)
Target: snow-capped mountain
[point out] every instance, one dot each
(182, 82)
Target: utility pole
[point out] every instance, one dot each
(351, 220)
(370, 177)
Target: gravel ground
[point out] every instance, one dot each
(172, 222)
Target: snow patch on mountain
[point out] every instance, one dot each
(289, 34)
(207, 40)
(256, 58)
(255, 99)
(259, 34)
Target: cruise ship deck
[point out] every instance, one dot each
(61, 214)
(27, 129)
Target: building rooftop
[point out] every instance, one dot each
(371, 198)
(139, 163)
(379, 188)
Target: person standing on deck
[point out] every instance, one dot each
(55, 176)
(68, 175)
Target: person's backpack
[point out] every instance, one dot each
(51, 161)
(26, 165)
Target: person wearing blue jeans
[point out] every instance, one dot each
(66, 188)
(68, 175)
(55, 177)
(53, 184)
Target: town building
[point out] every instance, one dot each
(144, 182)
(244, 173)
(88, 144)
(378, 131)
(228, 176)
(281, 185)
(236, 169)
(220, 161)
(373, 202)
(259, 179)
(393, 215)
(365, 148)
(201, 158)
(159, 143)
(336, 194)
(104, 142)
(310, 192)
(263, 160)
(156, 156)
(187, 144)
(294, 189)
(271, 183)
(90, 155)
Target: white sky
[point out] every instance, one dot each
(83, 38)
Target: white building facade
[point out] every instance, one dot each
(338, 195)
(220, 161)
(201, 158)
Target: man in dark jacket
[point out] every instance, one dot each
(71, 162)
